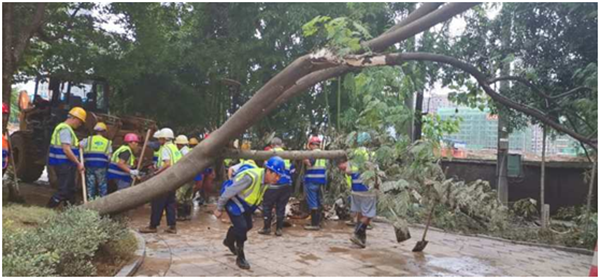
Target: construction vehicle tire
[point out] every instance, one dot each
(25, 157)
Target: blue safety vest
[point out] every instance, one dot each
(96, 152)
(56, 155)
(317, 173)
(114, 172)
(356, 181)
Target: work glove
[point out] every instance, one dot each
(134, 173)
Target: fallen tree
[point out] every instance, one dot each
(291, 155)
(206, 152)
(300, 75)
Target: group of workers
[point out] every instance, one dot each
(104, 167)
(248, 186)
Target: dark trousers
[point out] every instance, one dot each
(167, 203)
(277, 198)
(65, 174)
(241, 225)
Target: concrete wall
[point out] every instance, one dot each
(564, 181)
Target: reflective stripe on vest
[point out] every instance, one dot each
(96, 152)
(356, 181)
(114, 171)
(254, 193)
(174, 154)
(317, 173)
(287, 178)
(56, 155)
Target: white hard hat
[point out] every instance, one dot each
(166, 133)
(156, 134)
(181, 139)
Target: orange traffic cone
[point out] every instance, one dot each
(594, 269)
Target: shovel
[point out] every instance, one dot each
(423, 243)
(83, 177)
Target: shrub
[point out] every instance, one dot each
(62, 246)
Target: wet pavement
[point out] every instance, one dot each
(197, 250)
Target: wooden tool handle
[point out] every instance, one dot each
(83, 176)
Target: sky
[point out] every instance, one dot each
(457, 26)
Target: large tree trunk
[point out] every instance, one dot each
(290, 155)
(418, 116)
(204, 154)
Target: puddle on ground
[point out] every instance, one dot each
(463, 266)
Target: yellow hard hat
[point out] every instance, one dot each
(246, 145)
(78, 113)
(193, 141)
(181, 139)
(100, 126)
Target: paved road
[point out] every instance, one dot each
(197, 251)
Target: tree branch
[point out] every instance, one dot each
(398, 59)
(420, 12)
(23, 40)
(48, 38)
(535, 88)
(291, 155)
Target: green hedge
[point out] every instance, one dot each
(64, 245)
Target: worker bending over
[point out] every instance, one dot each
(241, 198)
(122, 164)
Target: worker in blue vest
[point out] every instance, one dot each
(314, 179)
(63, 156)
(241, 198)
(96, 155)
(277, 195)
(122, 164)
(363, 198)
(169, 155)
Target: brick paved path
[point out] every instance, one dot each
(197, 250)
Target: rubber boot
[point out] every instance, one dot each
(359, 236)
(229, 241)
(241, 258)
(314, 221)
(267, 227)
(279, 230)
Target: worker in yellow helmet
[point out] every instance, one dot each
(96, 154)
(63, 156)
(185, 192)
(193, 142)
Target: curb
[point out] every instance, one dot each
(543, 245)
(129, 269)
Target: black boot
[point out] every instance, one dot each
(314, 221)
(359, 236)
(279, 231)
(229, 241)
(52, 203)
(241, 258)
(267, 227)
